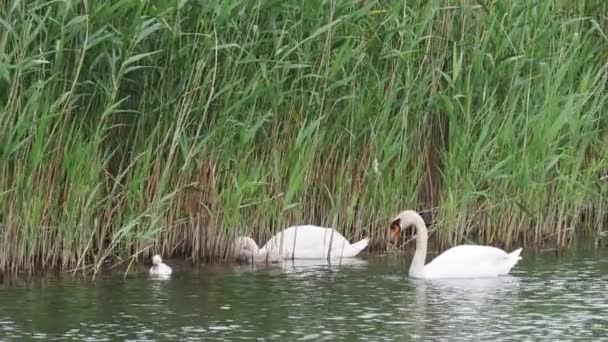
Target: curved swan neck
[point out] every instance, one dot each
(411, 218)
(419, 259)
(251, 245)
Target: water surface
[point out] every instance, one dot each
(545, 298)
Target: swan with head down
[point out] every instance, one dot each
(464, 261)
(301, 242)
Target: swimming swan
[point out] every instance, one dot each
(303, 242)
(158, 268)
(464, 261)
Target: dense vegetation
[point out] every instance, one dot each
(140, 126)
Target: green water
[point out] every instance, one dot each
(546, 298)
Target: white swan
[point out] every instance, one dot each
(159, 268)
(464, 261)
(302, 242)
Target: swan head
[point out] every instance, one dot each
(247, 251)
(156, 260)
(245, 248)
(404, 220)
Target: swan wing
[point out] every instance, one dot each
(471, 261)
(310, 242)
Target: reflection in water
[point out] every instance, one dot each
(470, 304)
(544, 298)
(310, 265)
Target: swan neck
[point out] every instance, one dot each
(254, 247)
(417, 266)
(246, 246)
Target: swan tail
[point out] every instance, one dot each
(515, 254)
(357, 247)
(512, 259)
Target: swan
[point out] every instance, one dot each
(159, 268)
(300, 242)
(246, 250)
(464, 261)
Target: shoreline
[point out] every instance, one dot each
(180, 263)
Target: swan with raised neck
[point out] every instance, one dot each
(463, 261)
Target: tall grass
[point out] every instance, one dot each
(138, 127)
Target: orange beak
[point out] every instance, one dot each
(395, 231)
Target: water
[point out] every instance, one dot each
(545, 298)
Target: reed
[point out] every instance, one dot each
(137, 127)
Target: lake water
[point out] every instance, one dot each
(545, 298)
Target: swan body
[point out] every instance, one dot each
(299, 242)
(464, 261)
(159, 268)
(312, 242)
